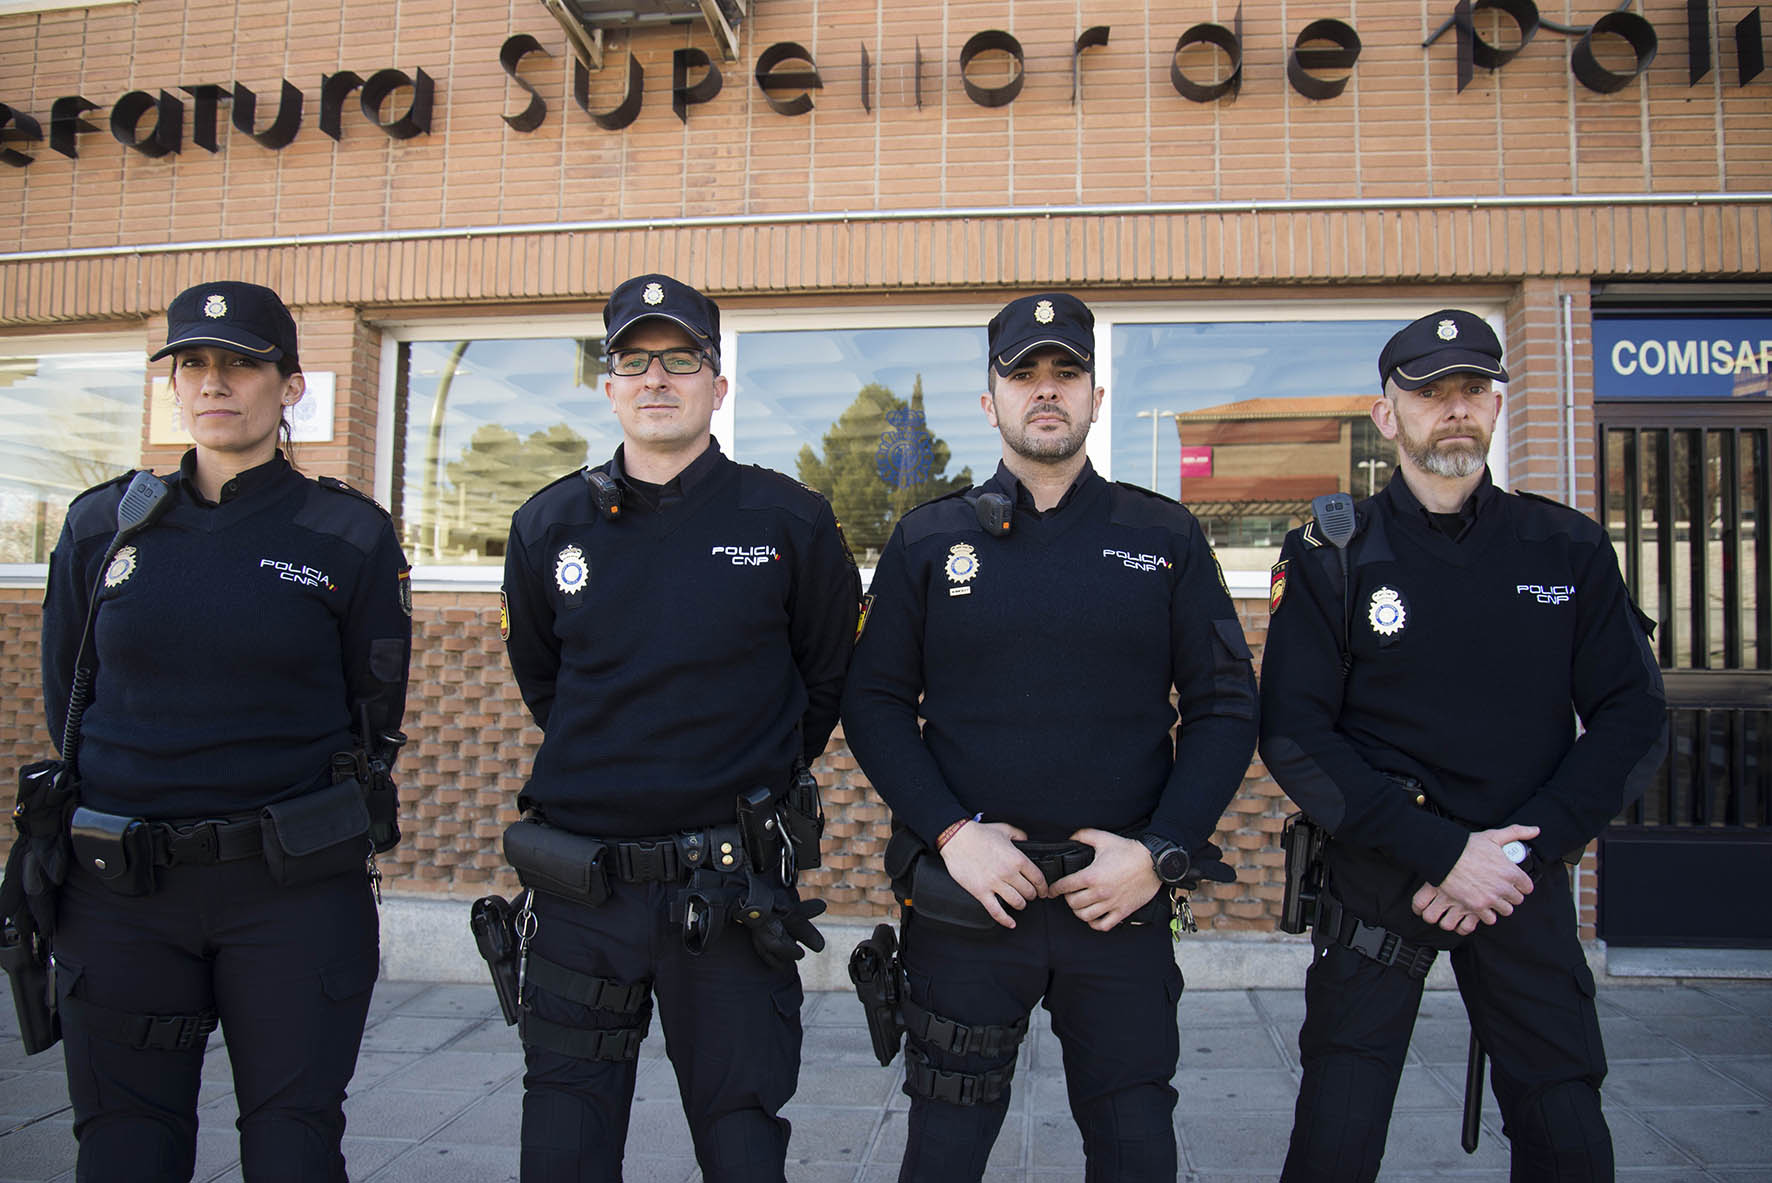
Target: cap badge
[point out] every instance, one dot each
(962, 566)
(1446, 331)
(215, 307)
(654, 294)
(570, 571)
(1386, 612)
(121, 568)
(1043, 312)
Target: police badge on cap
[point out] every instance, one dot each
(244, 317)
(1051, 318)
(647, 297)
(1450, 341)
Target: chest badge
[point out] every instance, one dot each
(962, 566)
(1386, 612)
(121, 568)
(571, 571)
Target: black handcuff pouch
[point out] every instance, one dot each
(116, 850)
(922, 883)
(316, 835)
(558, 862)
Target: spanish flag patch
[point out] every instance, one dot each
(1276, 586)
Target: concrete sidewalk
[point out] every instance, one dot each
(438, 1094)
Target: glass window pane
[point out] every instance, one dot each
(1260, 416)
(481, 425)
(67, 422)
(878, 420)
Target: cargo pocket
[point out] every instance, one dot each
(779, 1086)
(1592, 1042)
(1232, 668)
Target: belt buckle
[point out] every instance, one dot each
(195, 843)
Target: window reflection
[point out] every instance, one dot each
(68, 421)
(482, 424)
(1262, 416)
(878, 420)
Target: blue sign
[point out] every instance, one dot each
(1682, 356)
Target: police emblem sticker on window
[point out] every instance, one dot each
(1386, 613)
(571, 572)
(962, 567)
(121, 568)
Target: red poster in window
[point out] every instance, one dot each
(1196, 460)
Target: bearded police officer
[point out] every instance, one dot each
(1421, 691)
(679, 625)
(1038, 624)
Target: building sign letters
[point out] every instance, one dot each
(1319, 64)
(1682, 356)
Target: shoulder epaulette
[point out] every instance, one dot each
(1152, 493)
(1308, 535)
(575, 474)
(87, 517)
(1542, 499)
(780, 490)
(338, 486)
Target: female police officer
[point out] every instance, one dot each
(246, 665)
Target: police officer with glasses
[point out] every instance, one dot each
(226, 673)
(1010, 699)
(1458, 689)
(680, 626)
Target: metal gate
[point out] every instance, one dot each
(1686, 498)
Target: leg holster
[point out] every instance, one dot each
(1335, 925)
(632, 1000)
(929, 1032)
(954, 1088)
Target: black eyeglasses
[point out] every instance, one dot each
(634, 362)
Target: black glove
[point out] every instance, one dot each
(779, 921)
(1207, 862)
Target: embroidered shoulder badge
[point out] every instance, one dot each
(406, 590)
(504, 616)
(1276, 586)
(571, 571)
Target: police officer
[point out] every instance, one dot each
(679, 625)
(1037, 624)
(248, 655)
(1423, 709)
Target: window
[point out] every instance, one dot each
(70, 418)
(481, 423)
(879, 409)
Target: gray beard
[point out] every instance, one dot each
(1456, 463)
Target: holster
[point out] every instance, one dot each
(492, 920)
(316, 835)
(47, 792)
(558, 862)
(802, 818)
(874, 969)
(1303, 841)
(117, 850)
(921, 881)
(24, 955)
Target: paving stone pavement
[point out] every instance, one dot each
(438, 1093)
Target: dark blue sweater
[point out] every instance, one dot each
(1042, 664)
(234, 643)
(682, 653)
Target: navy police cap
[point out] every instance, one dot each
(244, 317)
(1450, 341)
(647, 297)
(1051, 318)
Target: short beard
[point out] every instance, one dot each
(1046, 449)
(1456, 462)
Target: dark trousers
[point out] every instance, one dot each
(732, 1032)
(1530, 996)
(288, 970)
(1112, 997)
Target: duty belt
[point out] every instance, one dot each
(673, 857)
(208, 840)
(1057, 859)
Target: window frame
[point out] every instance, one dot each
(735, 321)
(37, 574)
(21, 7)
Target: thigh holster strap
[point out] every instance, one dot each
(954, 1088)
(587, 989)
(167, 1033)
(606, 1043)
(943, 1034)
(1372, 940)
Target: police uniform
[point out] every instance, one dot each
(239, 646)
(679, 645)
(1041, 663)
(1474, 641)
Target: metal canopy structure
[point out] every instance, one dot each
(586, 22)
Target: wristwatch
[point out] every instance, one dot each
(1170, 861)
